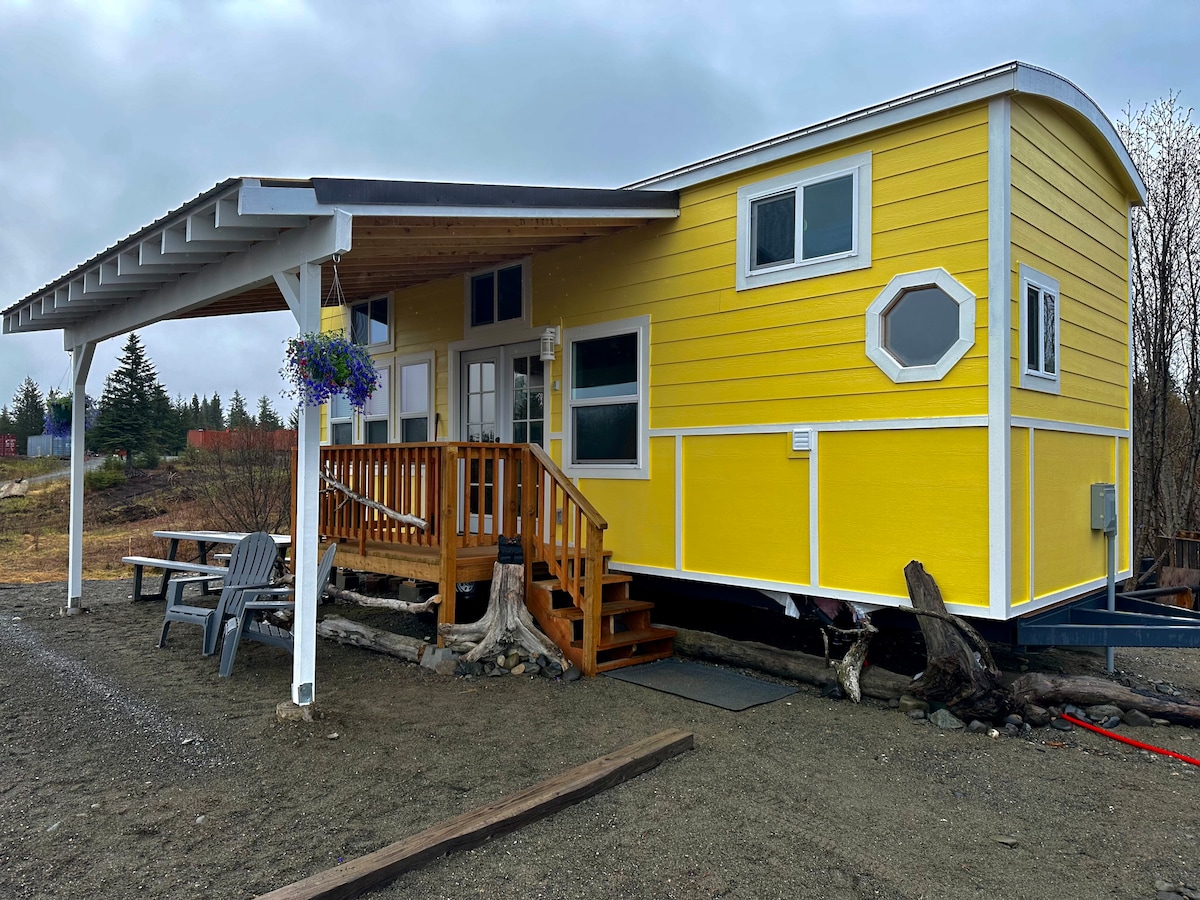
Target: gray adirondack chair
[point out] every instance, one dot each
(250, 565)
(245, 608)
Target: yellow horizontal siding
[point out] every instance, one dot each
(640, 514)
(888, 497)
(1069, 221)
(760, 469)
(721, 356)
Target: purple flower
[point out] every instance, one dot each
(318, 365)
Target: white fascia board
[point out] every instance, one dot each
(845, 128)
(1043, 83)
(1019, 78)
(258, 265)
(303, 202)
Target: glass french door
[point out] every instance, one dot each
(502, 400)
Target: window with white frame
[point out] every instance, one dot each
(606, 401)
(370, 323)
(415, 400)
(498, 295)
(341, 420)
(1039, 331)
(375, 412)
(920, 326)
(816, 221)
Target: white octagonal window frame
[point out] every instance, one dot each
(937, 278)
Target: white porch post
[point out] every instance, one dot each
(81, 362)
(304, 554)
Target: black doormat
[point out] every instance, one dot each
(705, 684)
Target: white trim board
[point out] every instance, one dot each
(881, 600)
(999, 440)
(1077, 590)
(856, 425)
(1070, 427)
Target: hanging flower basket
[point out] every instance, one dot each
(57, 417)
(318, 365)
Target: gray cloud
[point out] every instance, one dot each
(112, 113)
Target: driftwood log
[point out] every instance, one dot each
(382, 602)
(336, 628)
(1082, 690)
(874, 682)
(959, 670)
(506, 623)
(402, 518)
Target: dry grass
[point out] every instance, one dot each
(33, 529)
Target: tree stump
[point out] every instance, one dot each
(959, 671)
(507, 623)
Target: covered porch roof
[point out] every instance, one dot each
(256, 244)
(218, 253)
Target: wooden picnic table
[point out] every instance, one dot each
(205, 541)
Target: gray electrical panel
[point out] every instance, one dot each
(1104, 508)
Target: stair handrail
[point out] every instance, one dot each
(568, 487)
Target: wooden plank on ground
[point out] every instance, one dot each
(478, 826)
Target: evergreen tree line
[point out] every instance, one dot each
(135, 415)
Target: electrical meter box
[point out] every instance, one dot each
(1104, 508)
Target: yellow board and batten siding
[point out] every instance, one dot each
(1069, 220)
(795, 353)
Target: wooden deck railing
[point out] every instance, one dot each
(470, 494)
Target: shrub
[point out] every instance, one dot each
(244, 483)
(106, 476)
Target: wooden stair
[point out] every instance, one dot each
(626, 635)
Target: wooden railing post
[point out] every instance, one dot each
(593, 594)
(528, 512)
(448, 534)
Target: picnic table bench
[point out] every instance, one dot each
(204, 540)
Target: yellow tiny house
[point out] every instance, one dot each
(902, 334)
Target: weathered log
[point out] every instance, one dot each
(849, 667)
(356, 634)
(506, 623)
(1083, 690)
(402, 518)
(874, 682)
(959, 671)
(382, 602)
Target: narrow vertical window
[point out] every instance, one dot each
(1040, 317)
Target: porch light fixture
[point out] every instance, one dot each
(549, 340)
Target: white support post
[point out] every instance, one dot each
(81, 362)
(304, 553)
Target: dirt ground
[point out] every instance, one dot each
(129, 771)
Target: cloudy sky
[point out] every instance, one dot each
(114, 111)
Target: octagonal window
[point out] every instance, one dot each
(920, 325)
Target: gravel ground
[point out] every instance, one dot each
(129, 771)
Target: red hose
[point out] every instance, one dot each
(1130, 741)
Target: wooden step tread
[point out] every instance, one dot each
(625, 638)
(552, 584)
(611, 608)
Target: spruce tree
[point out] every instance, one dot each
(195, 416)
(28, 413)
(267, 419)
(134, 409)
(216, 418)
(239, 416)
(6, 421)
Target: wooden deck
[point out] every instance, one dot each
(467, 496)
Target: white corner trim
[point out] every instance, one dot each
(947, 284)
(999, 337)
